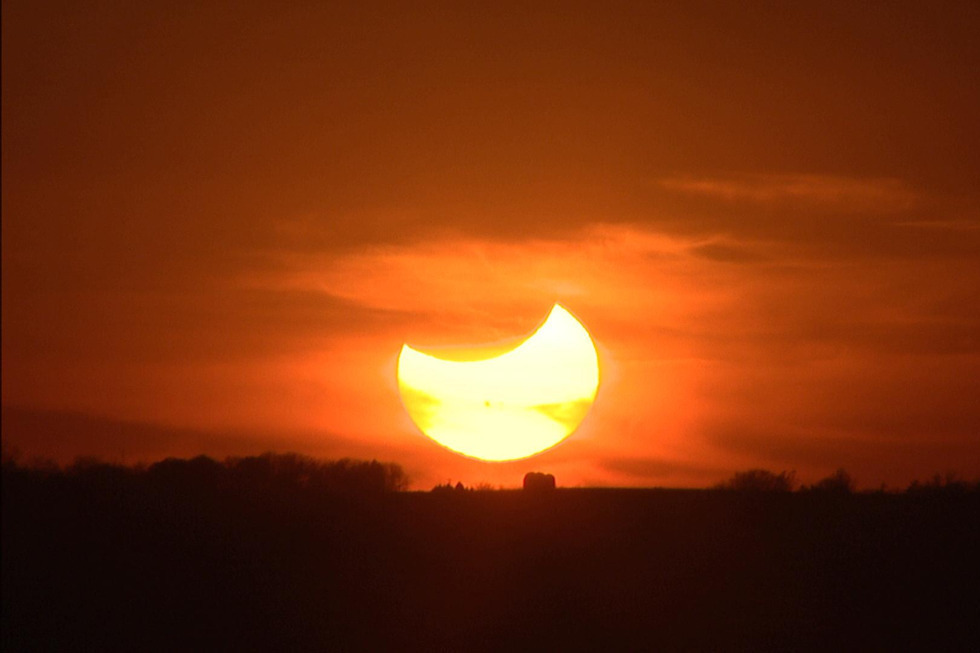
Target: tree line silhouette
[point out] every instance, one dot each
(840, 482)
(284, 552)
(279, 471)
(268, 472)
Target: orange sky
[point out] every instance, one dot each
(220, 223)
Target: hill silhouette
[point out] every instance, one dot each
(282, 552)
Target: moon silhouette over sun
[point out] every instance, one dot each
(508, 406)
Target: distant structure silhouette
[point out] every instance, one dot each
(538, 482)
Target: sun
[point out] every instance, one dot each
(509, 406)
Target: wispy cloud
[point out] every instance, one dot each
(850, 194)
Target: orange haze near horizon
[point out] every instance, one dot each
(220, 227)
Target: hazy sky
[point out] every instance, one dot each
(221, 222)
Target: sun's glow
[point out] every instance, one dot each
(509, 406)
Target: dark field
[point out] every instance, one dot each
(123, 561)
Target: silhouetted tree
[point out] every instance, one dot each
(98, 473)
(760, 480)
(840, 482)
(946, 484)
(294, 471)
(443, 488)
(197, 473)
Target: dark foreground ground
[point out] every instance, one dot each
(118, 563)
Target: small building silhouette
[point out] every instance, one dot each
(538, 482)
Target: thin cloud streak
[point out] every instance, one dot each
(843, 194)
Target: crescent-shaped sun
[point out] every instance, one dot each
(509, 406)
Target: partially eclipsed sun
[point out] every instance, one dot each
(509, 406)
